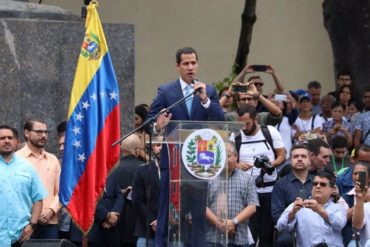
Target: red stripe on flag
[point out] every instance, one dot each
(91, 184)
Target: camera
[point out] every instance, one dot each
(263, 162)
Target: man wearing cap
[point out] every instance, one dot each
(307, 125)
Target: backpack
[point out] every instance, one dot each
(268, 139)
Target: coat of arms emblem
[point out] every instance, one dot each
(204, 154)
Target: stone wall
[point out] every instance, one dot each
(37, 66)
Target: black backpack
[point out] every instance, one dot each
(268, 139)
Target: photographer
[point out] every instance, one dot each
(255, 142)
(247, 94)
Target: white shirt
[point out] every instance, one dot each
(285, 130)
(248, 152)
(305, 125)
(184, 88)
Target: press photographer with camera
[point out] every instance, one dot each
(261, 150)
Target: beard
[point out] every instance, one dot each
(250, 132)
(37, 144)
(6, 153)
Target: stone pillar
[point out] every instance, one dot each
(39, 47)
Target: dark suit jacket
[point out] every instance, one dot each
(171, 92)
(145, 198)
(167, 95)
(126, 171)
(111, 201)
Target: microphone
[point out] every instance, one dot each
(194, 82)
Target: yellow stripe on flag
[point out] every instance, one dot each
(89, 60)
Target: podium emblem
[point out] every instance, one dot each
(204, 154)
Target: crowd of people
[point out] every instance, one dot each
(297, 171)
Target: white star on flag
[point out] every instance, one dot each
(93, 96)
(113, 95)
(81, 157)
(76, 130)
(102, 94)
(79, 116)
(85, 105)
(77, 144)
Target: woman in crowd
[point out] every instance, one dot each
(345, 95)
(338, 125)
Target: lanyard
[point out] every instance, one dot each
(335, 164)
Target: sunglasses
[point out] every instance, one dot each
(322, 184)
(258, 84)
(246, 99)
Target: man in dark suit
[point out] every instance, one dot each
(202, 106)
(104, 231)
(145, 201)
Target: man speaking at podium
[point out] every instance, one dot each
(203, 105)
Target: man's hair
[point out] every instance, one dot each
(362, 147)
(185, 50)
(328, 175)
(338, 104)
(13, 130)
(344, 72)
(314, 84)
(244, 108)
(62, 127)
(339, 141)
(233, 148)
(30, 122)
(362, 163)
(365, 90)
(299, 146)
(315, 145)
(254, 77)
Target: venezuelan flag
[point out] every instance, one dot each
(93, 125)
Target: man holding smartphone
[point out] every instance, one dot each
(361, 213)
(297, 183)
(258, 82)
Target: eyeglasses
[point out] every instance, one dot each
(322, 184)
(246, 99)
(258, 84)
(40, 132)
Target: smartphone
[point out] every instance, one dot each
(280, 97)
(260, 68)
(240, 88)
(302, 193)
(362, 180)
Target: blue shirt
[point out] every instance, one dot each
(20, 188)
(312, 229)
(285, 192)
(363, 124)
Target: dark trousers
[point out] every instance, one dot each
(161, 235)
(284, 240)
(50, 231)
(261, 223)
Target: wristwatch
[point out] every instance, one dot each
(235, 221)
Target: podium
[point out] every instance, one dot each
(197, 154)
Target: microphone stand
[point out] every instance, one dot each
(149, 120)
